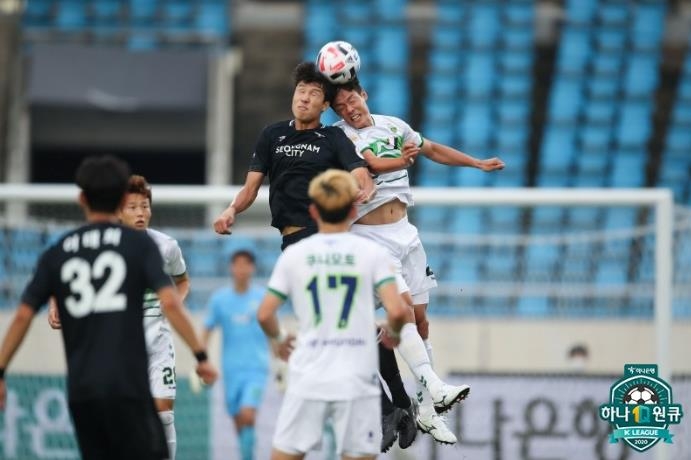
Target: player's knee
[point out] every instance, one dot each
(246, 417)
(167, 417)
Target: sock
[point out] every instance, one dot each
(388, 368)
(386, 405)
(247, 442)
(413, 351)
(168, 420)
(428, 347)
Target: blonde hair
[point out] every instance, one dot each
(333, 192)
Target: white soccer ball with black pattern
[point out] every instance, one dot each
(641, 394)
(339, 61)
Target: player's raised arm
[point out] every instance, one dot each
(177, 316)
(242, 201)
(440, 153)
(13, 338)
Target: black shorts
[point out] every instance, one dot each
(297, 236)
(119, 429)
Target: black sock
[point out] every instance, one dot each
(388, 368)
(386, 405)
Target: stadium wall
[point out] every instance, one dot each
(463, 345)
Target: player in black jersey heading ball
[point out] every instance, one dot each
(97, 275)
(292, 152)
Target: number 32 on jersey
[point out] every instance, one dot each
(80, 274)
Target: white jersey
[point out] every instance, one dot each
(331, 279)
(155, 324)
(385, 138)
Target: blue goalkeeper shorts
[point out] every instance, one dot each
(245, 389)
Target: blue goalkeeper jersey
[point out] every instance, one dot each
(245, 347)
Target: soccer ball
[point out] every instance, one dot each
(339, 61)
(641, 394)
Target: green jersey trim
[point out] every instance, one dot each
(278, 294)
(388, 280)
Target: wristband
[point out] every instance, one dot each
(2, 373)
(201, 356)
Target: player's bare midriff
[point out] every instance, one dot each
(388, 213)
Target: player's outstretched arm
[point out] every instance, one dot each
(396, 310)
(266, 315)
(177, 316)
(243, 200)
(13, 338)
(440, 153)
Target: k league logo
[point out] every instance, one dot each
(641, 408)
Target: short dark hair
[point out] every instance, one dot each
(137, 184)
(352, 85)
(103, 179)
(307, 72)
(246, 253)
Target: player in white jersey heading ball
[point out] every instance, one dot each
(136, 213)
(331, 279)
(390, 145)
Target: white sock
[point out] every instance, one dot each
(428, 347)
(426, 405)
(168, 421)
(413, 351)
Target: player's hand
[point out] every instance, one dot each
(225, 221)
(53, 317)
(491, 164)
(409, 153)
(207, 372)
(3, 394)
(387, 340)
(285, 348)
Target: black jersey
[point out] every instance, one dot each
(98, 274)
(292, 158)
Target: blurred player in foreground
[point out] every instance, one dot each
(98, 275)
(245, 347)
(390, 146)
(136, 213)
(331, 279)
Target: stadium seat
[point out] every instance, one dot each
(38, 13)
(628, 170)
(106, 11)
(635, 124)
(467, 221)
(484, 25)
(611, 40)
(532, 306)
(515, 85)
(391, 49)
(444, 62)
(613, 14)
(143, 12)
(177, 12)
(440, 112)
(607, 64)
(479, 75)
(518, 38)
(611, 272)
(476, 126)
(355, 11)
(594, 163)
(557, 150)
(390, 10)
(71, 15)
(444, 134)
(648, 26)
(212, 19)
(451, 12)
(584, 217)
(516, 62)
(565, 101)
(513, 111)
(620, 218)
(447, 38)
(574, 50)
(641, 76)
(595, 138)
(320, 24)
(580, 11)
(519, 14)
(360, 36)
(602, 88)
(681, 114)
(511, 138)
(599, 112)
(678, 139)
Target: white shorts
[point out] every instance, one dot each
(356, 425)
(162, 367)
(402, 241)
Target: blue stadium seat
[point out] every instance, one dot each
(611, 272)
(517, 38)
(390, 10)
(106, 11)
(580, 11)
(574, 51)
(468, 177)
(320, 24)
(515, 85)
(507, 217)
(433, 217)
(513, 111)
(678, 138)
(599, 112)
(628, 170)
(589, 178)
(611, 39)
(177, 12)
(557, 150)
(437, 132)
(641, 75)
(607, 64)
(613, 14)
(71, 15)
(635, 124)
(519, 13)
(37, 13)
(565, 102)
(584, 217)
(451, 12)
(444, 61)
(648, 25)
(511, 138)
(467, 221)
(356, 11)
(440, 112)
(602, 88)
(596, 138)
(516, 62)
(476, 126)
(391, 50)
(484, 25)
(479, 75)
(547, 216)
(620, 218)
(593, 163)
(143, 12)
(360, 36)
(392, 95)
(681, 114)
(447, 38)
(532, 306)
(212, 19)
